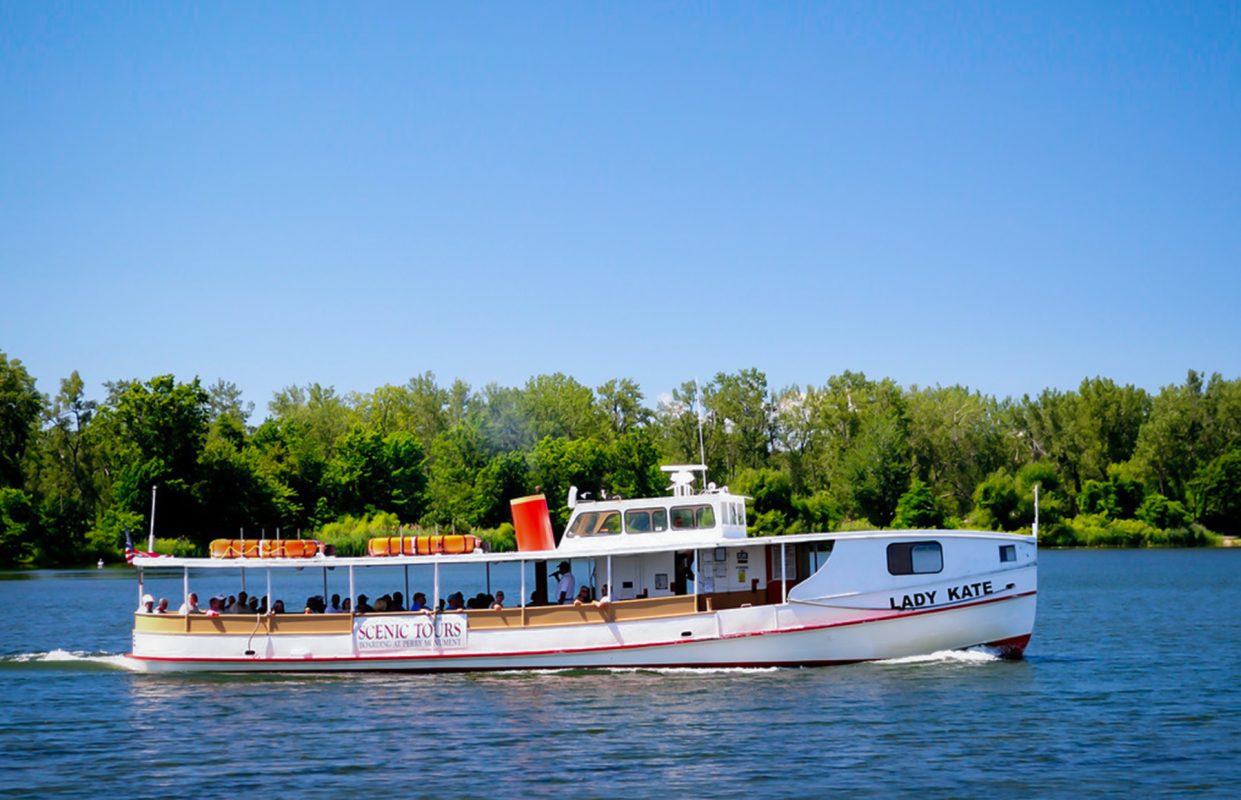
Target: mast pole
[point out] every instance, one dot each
(702, 449)
(151, 537)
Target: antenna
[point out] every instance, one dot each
(682, 477)
(702, 450)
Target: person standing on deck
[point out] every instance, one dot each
(566, 587)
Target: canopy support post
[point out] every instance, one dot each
(784, 580)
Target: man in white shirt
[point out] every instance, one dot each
(566, 588)
(190, 606)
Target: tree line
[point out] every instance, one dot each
(1115, 465)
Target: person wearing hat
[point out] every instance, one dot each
(566, 587)
(147, 606)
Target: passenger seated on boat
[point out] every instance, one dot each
(147, 606)
(583, 596)
(213, 607)
(498, 603)
(262, 609)
(419, 603)
(254, 605)
(456, 602)
(538, 598)
(242, 606)
(228, 605)
(362, 607)
(397, 603)
(381, 605)
(277, 607)
(190, 606)
(334, 608)
(314, 605)
(162, 608)
(347, 606)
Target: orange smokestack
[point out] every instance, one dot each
(532, 523)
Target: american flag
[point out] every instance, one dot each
(131, 553)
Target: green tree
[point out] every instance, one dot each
(741, 414)
(457, 458)
(17, 523)
(1163, 513)
(372, 472)
(65, 477)
(918, 508)
(1217, 490)
(770, 509)
(506, 477)
(20, 408)
(877, 467)
(557, 464)
(153, 433)
(955, 441)
(557, 405)
(621, 401)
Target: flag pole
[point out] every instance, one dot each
(151, 538)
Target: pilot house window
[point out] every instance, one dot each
(687, 518)
(646, 520)
(915, 558)
(596, 523)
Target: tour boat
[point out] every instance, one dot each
(671, 582)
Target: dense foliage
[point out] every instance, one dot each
(1114, 464)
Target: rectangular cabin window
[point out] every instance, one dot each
(1008, 552)
(596, 523)
(741, 513)
(688, 518)
(915, 558)
(646, 520)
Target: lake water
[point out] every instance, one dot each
(1130, 688)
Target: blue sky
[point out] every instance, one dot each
(1006, 197)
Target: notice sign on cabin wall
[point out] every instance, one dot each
(410, 634)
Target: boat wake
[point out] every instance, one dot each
(974, 655)
(66, 658)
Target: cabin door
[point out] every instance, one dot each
(683, 570)
(625, 575)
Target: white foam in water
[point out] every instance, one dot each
(975, 655)
(70, 656)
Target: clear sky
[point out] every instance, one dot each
(1008, 196)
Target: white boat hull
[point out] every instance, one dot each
(788, 634)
